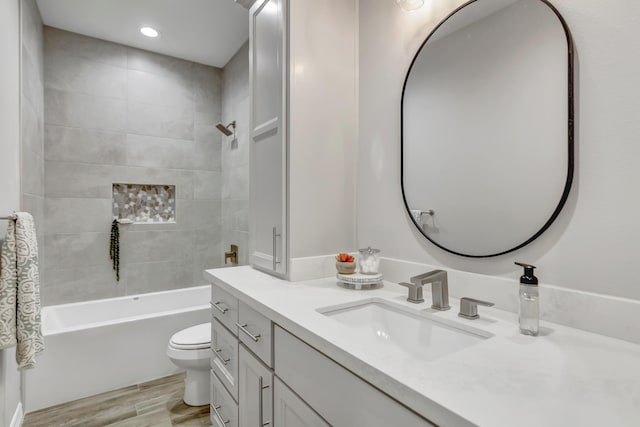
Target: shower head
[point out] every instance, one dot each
(225, 129)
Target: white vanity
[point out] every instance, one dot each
(313, 353)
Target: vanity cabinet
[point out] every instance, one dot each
(267, 76)
(224, 357)
(254, 331)
(256, 391)
(291, 411)
(262, 375)
(339, 396)
(224, 410)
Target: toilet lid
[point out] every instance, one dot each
(192, 338)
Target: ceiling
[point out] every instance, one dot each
(204, 31)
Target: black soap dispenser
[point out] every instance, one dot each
(529, 313)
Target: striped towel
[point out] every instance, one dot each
(20, 291)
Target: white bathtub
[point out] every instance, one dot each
(96, 346)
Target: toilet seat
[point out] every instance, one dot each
(193, 338)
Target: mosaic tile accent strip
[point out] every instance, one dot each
(142, 203)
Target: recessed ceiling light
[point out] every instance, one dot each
(149, 32)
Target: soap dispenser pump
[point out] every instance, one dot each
(529, 313)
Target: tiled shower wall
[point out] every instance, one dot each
(115, 114)
(235, 154)
(31, 119)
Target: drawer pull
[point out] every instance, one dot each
(222, 359)
(261, 388)
(243, 328)
(215, 409)
(222, 310)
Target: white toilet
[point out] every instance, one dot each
(190, 349)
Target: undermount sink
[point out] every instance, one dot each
(377, 322)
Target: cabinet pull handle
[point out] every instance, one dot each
(220, 309)
(275, 248)
(215, 409)
(222, 359)
(261, 387)
(244, 329)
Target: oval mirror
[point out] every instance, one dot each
(487, 127)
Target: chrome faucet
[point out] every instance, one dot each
(439, 288)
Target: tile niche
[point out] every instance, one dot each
(144, 203)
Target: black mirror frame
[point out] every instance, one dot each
(570, 136)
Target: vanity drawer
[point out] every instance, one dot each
(346, 400)
(224, 357)
(224, 307)
(254, 330)
(224, 411)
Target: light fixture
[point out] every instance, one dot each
(149, 32)
(409, 5)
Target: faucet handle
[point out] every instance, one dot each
(415, 292)
(469, 307)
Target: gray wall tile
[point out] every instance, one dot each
(235, 154)
(156, 245)
(207, 185)
(149, 88)
(158, 276)
(143, 60)
(66, 71)
(63, 286)
(85, 111)
(65, 215)
(153, 151)
(86, 47)
(32, 129)
(85, 145)
(76, 250)
(208, 154)
(33, 175)
(32, 85)
(73, 180)
(207, 214)
(167, 121)
(122, 115)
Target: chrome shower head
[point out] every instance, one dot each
(225, 129)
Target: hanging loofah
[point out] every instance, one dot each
(114, 248)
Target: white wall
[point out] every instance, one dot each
(9, 172)
(323, 134)
(593, 245)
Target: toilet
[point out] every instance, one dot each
(190, 349)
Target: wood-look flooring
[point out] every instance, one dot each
(155, 403)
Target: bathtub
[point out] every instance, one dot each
(97, 346)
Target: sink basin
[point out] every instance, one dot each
(399, 329)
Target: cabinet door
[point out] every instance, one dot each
(255, 397)
(291, 411)
(268, 231)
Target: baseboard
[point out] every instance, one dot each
(18, 416)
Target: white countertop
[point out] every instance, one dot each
(564, 377)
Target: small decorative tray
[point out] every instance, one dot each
(360, 281)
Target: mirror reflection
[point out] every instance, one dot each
(486, 140)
